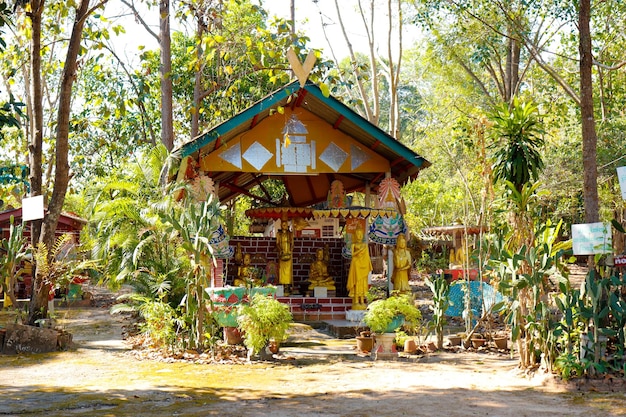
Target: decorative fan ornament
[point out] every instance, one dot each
(389, 193)
(202, 187)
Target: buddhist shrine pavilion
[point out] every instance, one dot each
(311, 142)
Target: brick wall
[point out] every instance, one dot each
(218, 273)
(303, 254)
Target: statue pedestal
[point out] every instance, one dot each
(385, 348)
(320, 292)
(355, 315)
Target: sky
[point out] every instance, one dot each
(311, 13)
(309, 17)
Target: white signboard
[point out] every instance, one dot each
(32, 208)
(621, 176)
(592, 238)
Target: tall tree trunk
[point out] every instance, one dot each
(36, 105)
(197, 86)
(394, 72)
(589, 136)
(167, 123)
(511, 75)
(39, 299)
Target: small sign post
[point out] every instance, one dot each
(32, 208)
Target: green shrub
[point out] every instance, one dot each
(159, 324)
(381, 313)
(264, 319)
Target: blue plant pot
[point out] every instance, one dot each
(395, 324)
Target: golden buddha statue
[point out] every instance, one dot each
(318, 274)
(247, 275)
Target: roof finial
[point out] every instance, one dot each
(302, 71)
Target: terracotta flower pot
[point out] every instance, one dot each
(232, 336)
(410, 346)
(476, 343)
(454, 339)
(364, 344)
(501, 342)
(273, 346)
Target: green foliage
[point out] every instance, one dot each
(119, 123)
(159, 324)
(10, 114)
(13, 251)
(125, 232)
(161, 247)
(160, 319)
(518, 205)
(567, 330)
(375, 292)
(430, 262)
(568, 366)
(234, 59)
(194, 226)
(518, 140)
(262, 320)
(381, 313)
(57, 266)
(602, 318)
(440, 289)
(523, 275)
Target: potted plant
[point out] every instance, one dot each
(385, 316)
(263, 321)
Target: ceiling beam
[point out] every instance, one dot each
(262, 187)
(397, 161)
(243, 191)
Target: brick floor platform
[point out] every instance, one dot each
(317, 308)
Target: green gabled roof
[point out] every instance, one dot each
(405, 163)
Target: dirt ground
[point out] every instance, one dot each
(315, 375)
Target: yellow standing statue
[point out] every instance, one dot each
(360, 268)
(401, 265)
(284, 245)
